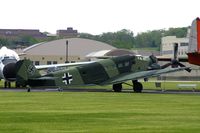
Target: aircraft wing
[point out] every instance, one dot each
(139, 75)
(180, 59)
(40, 67)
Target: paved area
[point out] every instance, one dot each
(99, 90)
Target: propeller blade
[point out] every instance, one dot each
(166, 65)
(182, 65)
(175, 51)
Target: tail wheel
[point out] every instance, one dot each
(117, 87)
(137, 87)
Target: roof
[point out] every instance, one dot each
(76, 46)
(113, 52)
(98, 53)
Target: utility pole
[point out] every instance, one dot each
(66, 52)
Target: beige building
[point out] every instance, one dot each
(167, 45)
(58, 51)
(167, 50)
(68, 33)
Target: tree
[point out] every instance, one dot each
(178, 32)
(149, 39)
(120, 39)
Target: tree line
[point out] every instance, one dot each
(121, 39)
(126, 39)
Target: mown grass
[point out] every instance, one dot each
(63, 112)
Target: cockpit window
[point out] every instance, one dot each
(8, 60)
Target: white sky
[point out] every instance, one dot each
(97, 16)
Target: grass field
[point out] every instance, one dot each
(69, 112)
(165, 85)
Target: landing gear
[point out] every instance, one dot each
(117, 87)
(7, 84)
(17, 85)
(137, 86)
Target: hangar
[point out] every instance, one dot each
(58, 51)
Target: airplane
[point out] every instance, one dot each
(193, 54)
(8, 59)
(115, 71)
(7, 56)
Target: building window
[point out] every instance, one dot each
(48, 62)
(55, 62)
(37, 63)
(184, 44)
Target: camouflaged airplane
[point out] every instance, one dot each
(115, 71)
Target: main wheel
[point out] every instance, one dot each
(5, 84)
(137, 87)
(117, 87)
(9, 84)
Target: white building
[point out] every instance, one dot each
(167, 45)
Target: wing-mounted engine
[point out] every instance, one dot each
(174, 61)
(153, 64)
(9, 72)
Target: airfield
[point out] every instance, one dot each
(99, 110)
(148, 91)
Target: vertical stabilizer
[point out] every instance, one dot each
(194, 39)
(24, 71)
(194, 43)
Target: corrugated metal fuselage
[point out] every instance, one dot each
(93, 73)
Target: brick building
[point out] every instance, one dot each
(13, 33)
(69, 33)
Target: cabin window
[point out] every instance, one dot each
(127, 64)
(120, 65)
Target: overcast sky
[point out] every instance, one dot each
(97, 16)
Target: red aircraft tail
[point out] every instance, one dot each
(194, 43)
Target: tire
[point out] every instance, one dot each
(137, 87)
(117, 87)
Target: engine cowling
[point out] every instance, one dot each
(9, 72)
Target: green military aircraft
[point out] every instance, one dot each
(115, 71)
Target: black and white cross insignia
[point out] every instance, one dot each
(67, 78)
(31, 69)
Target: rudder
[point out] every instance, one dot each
(24, 71)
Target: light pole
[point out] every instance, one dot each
(66, 52)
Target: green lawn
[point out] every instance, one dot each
(59, 112)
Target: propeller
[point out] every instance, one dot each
(174, 62)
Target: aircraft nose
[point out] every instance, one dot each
(9, 72)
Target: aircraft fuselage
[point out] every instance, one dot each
(94, 73)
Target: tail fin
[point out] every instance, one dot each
(194, 39)
(194, 43)
(24, 71)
